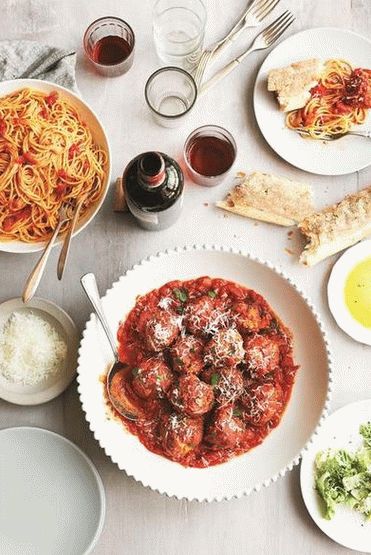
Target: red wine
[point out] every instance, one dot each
(111, 50)
(153, 184)
(210, 156)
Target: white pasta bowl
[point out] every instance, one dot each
(282, 448)
(99, 136)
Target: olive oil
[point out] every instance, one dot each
(357, 292)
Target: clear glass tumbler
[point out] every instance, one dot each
(170, 94)
(109, 44)
(179, 30)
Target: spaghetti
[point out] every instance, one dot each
(341, 99)
(48, 158)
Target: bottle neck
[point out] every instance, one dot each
(151, 170)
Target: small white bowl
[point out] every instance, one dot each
(335, 292)
(99, 136)
(54, 385)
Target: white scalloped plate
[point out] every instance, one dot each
(306, 409)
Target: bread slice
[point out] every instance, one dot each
(269, 198)
(292, 84)
(337, 227)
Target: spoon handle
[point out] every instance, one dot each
(89, 284)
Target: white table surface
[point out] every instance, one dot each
(140, 521)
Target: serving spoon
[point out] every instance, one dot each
(125, 408)
(35, 276)
(335, 137)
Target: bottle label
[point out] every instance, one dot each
(142, 216)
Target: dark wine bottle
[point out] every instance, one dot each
(153, 185)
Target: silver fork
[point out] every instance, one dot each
(327, 137)
(252, 17)
(265, 39)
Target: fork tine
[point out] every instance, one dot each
(271, 28)
(265, 9)
(258, 7)
(283, 25)
(263, 14)
(280, 30)
(253, 6)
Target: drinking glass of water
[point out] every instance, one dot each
(170, 94)
(179, 30)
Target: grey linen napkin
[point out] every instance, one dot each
(22, 59)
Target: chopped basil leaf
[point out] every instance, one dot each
(180, 309)
(237, 412)
(179, 361)
(159, 378)
(274, 325)
(135, 371)
(180, 294)
(214, 379)
(212, 294)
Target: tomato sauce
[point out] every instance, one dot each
(211, 370)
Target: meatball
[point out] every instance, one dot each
(186, 354)
(261, 403)
(204, 316)
(226, 429)
(225, 349)
(262, 355)
(160, 331)
(227, 384)
(180, 434)
(152, 378)
(191, 395)
(250, 318)
(122, 394)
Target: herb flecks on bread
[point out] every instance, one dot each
(269, 198)
(336, 227)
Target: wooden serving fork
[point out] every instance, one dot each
(67, 240)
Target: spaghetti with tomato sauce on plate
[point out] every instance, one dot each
(48, 158)
(208, 370)
(340, 100)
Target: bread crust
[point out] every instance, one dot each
(292, 84)
(337, 227)
(269, 198)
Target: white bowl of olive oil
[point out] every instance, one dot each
(349, 292)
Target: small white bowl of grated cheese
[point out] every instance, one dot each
(38, 351)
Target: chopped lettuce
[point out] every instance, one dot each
(342, 477)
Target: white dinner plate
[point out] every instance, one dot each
(346, 155)
(55, 384)
(99, 136)
(335, 292)
(283, 446)
(52, 498)
(340, 430)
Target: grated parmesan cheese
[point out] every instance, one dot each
(31, 350)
